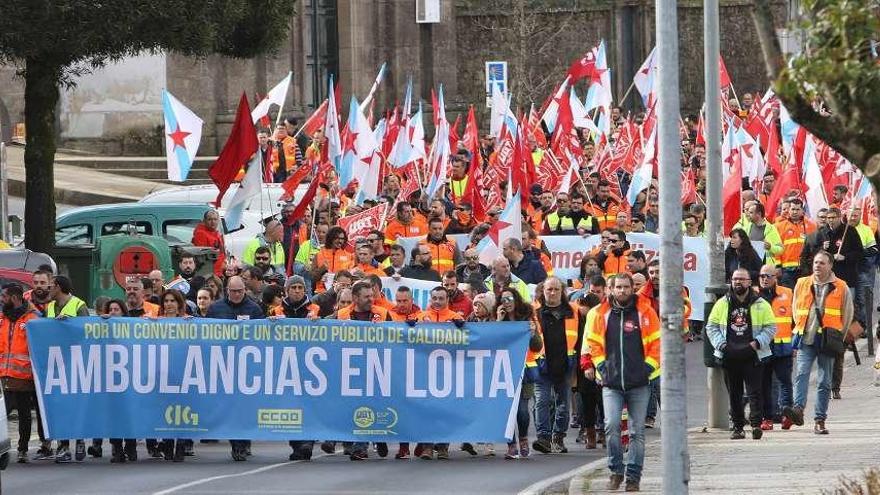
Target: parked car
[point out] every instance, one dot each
(173, 221)
(268, 203)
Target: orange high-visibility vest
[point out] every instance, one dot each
(649, 323)
(15, 360)
(833, 310)
(793, 235)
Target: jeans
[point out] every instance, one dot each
(803, 365)
(549, 394)
(780, 367)
(737, 372)
(654, 402)
(636, 400)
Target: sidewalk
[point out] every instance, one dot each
(80, 186)
(794, 461)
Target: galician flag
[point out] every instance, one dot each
(508, 226)
(183, 132)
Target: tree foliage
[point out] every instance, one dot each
(836, 68)
(53, 41)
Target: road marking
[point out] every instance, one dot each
(202, 481)
(543, 485)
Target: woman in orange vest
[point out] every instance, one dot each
(511, 307)
(332, 258)
(15, 363)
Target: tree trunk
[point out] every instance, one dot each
(40, 99)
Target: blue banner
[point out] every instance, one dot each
(287, 379)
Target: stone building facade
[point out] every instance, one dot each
(351, 39)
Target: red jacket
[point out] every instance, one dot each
(461, 304)
(202, 236)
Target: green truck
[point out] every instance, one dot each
(99, 247)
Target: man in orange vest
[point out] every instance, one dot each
(405, 310)
(558, 321)
(793, 231)
(623, 339)
(603, 206)
(821, 302)
(363, 309)
(404, 224)
(612, 260)
(445, 254)
(15, 364)
(779, 364)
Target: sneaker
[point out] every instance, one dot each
(819, 427)
(835, 394)
(469, 448)
(131, 452)
(738, 434)
(95, 451)
(795, 414)
(524, 447)
(558, 445)
(632, 486)
(63, 455)
(490, 450)
(615, 481)
(425, 452)
(767, 425)
(22, 457)
(402, 452)
(420, 448)
(189, 449)
(382, 449)
(649, 422)
(80, 450)
(786, 424)
(543, 445)
(328, 447)
(358, 455)
(154, 452)
(581, 436)
(512, 452)
(443, 453)
(44, 453)
(757, 433)
(117, 456)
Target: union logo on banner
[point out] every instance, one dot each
(358, 226)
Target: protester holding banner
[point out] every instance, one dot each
(174, 306)
(512, 307)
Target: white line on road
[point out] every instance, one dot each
(202, 481)
(543, 485)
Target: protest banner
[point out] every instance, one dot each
(359, 225)
(286, 379)
(567, 252)
(421, 289)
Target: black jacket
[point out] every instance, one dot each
(296, 309)
(847, 241)
(419, 272)
(624, 367)
(734, 260)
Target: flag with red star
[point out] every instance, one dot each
(183, 132)
(507, 226)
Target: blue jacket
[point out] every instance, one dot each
(529, 271)
(224, 309)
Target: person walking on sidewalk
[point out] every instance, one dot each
(623, 339)
(822, 304)
(779, 364)
(740, 328)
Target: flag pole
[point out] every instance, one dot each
(283, 101)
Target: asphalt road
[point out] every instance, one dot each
(213, 472)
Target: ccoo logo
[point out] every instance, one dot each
(177, 415)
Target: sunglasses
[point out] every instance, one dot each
(507, 299)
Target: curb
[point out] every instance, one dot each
(68, 196)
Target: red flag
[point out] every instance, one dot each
(290, 184)
(724, 75)
(316, 120)
(731, 196)
(583, 68)
(359, 225)
(688, 188)
(307, 198)
(701, 130)
(264, 120)
(239, 147)
(790, 179)
(453, 135)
